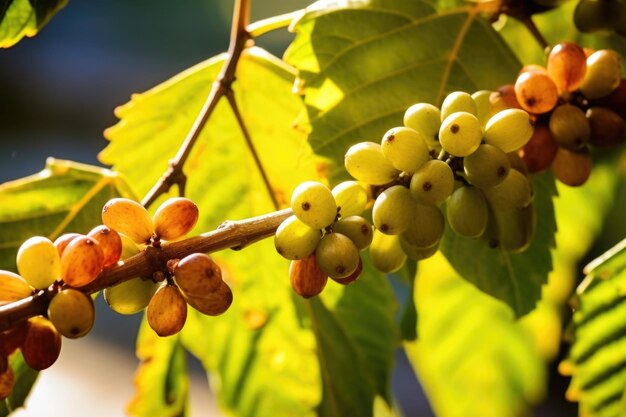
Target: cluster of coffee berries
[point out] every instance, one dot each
(324, 236)
(195, 280)
(578, 101)
(60, 268)
(463, 156)
(601, 16)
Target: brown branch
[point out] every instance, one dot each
(230, 234)
(239, 37)
(244, 130)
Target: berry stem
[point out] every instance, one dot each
(230, 234)
(239, 37)
(230, 96)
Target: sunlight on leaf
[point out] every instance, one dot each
(470, 346)
(161, 379)
(597, 357)
(65, 196)
(513, 278)
(363, 63)
(262, 351)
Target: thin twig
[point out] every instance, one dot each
(270, 24)
(230, 234)
(534, 30)
(233, 105)
(238, 38)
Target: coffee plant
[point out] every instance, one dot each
(420, 154)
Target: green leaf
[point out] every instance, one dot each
(19, 18)
(513, 278)
(472, 357)
(363, 63)
(365, 311)
(161, 379)
(346, 389)
(581, 212)
(65, 196)
(262, 352)
(597, 356)
(24, 380)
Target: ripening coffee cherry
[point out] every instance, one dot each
(215, 303)
(458, 101)
(337, 255)
(418, 253)
(509, 130)
(307, 278)
(352, 277)
(38, 262)
(570, 127)
(295, 240)
(567, 64)
(81, 262)
(514, 192)
(314, 205)
(426, 228)
(62, 241)
(572, 168)
(607, 128)
(7, 379)
(197, 275)
(357, 229)
(405, 149)
(604, 72)
(386, 253)
(72, 313)
(42, 344)
(167, 311)
(13, 339)
(486, 167)
(460, 134)
(128, 217)
(592, 15)
(13, 287)
(536, 92)
(132, 296)
(351, 198)
(540, 150)
(175, 218)
(433, 183)
(110, 243)
(366, 162)
(426, 119)
(392, 210)
(468, 212)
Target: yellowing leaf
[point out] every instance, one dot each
(65, 196)
(472, 358)
(262, 352)
(161, 379)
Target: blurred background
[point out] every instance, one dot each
(57, 94)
